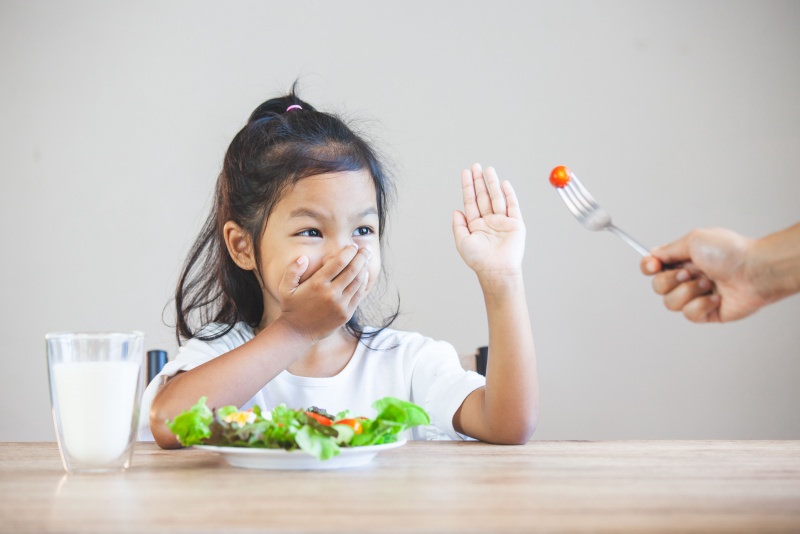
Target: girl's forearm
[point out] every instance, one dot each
(511, 403)
(230, 379)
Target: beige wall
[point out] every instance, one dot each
(114, 118)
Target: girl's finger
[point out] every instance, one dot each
(349, 273)
(496, 196)
(333, 268)
(460, 228)
(357, 289)
(468, 193)
(481, 192)
(291, 278)
(512, 202)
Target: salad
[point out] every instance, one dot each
(314, 431)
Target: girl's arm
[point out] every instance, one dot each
(490, 237)
(230, 379)
(310, 312)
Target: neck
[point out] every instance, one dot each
(327, 357)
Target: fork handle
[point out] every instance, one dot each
(638, 247)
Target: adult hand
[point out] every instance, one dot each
(716, 281)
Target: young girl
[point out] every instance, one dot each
(287, 255)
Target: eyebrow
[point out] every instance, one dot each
(308, 212)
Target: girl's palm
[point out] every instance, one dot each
(489, 233)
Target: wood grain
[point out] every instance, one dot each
(543, 486)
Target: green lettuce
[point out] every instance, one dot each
(193, 425)
(394, 417)
(293, 429)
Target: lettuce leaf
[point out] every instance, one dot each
(316, 444)
(192, 426)
(394, 417)
(292, 429)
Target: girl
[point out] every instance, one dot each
(287, 255)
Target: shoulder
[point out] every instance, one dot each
(213, 339)
(205, 346)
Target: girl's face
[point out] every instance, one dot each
(317, 218)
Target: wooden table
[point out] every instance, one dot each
(548, 486)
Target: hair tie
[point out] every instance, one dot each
(293, 106)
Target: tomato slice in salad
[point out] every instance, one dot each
(353, 422)
(319, 418)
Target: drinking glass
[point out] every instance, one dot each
(95, 388)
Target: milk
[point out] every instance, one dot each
(96, 402)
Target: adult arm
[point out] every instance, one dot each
(727, 276)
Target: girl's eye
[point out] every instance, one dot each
(363, 230)
(311, 232)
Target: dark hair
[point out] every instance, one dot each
(274, 150)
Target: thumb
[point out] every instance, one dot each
(460, 229)
(291, 278)
(675, 252)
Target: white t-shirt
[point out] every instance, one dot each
(399, 364)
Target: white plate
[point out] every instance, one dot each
(255, 458)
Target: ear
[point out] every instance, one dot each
(240, 246)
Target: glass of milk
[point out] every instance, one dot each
(96, 382)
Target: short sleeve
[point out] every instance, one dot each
(441, 384)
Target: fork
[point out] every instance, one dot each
(584, 207)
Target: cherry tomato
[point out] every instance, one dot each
(354, 423)
(321, 419)
(560, 176)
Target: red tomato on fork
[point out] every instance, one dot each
(559, 177)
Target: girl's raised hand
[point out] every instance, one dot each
(318, 306)
(489, 233)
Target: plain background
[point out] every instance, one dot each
(115, 116)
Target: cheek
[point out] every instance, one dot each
(374, 271)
